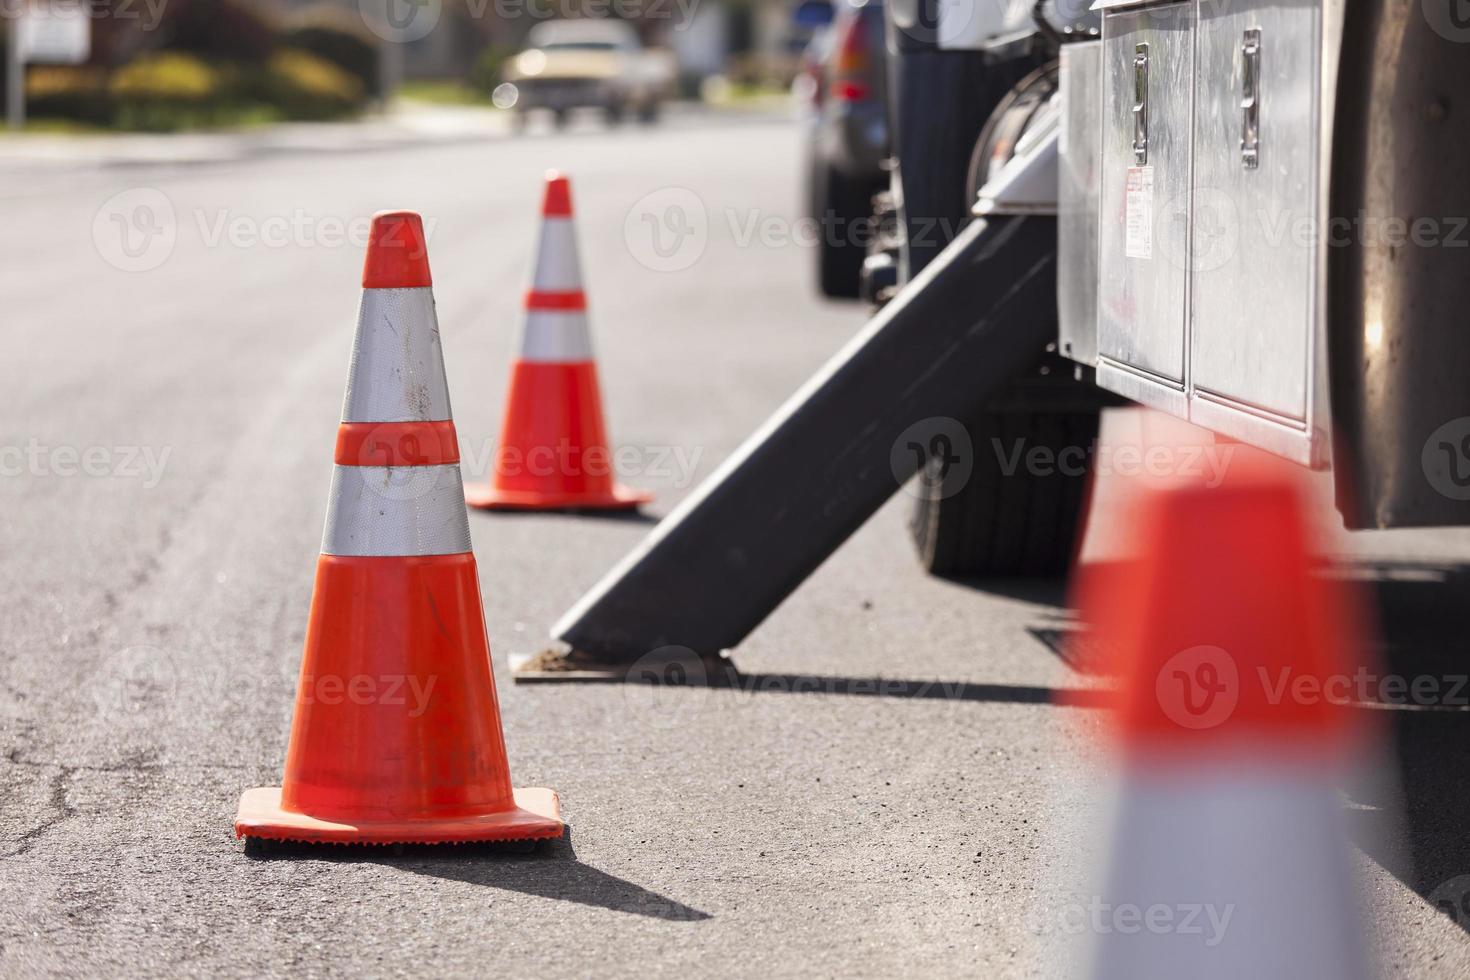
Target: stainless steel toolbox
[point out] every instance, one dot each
(1210, 269)
(1147, 141)
(1255, 221)
(1077, 192)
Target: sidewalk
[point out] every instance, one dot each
(404, 123)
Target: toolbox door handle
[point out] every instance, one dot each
(1250, 99)
(1140, 104)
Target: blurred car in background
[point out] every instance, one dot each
(589, 63)
(843, 83)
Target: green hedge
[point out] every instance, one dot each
(69, 93)
(352, 51)
(217, 63)
(171, 90)
(304, 86)
(165, 91)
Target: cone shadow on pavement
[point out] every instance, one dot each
(551, 870)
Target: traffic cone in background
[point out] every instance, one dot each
(553, 452)
(1229, 857)
(396, 736)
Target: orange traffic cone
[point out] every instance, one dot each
(397, 735)
(553, 452)
(1230, 857)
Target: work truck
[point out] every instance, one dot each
(1260, 224)
(1247, 214)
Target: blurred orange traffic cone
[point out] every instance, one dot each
(553, 452)
(1229, 857)
(396, 736)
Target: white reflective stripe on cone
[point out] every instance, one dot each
(555, 336)
(557, 269)
(396, 510)
(1245, 872)
(397, 371)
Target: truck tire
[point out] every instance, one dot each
(1000, 523)
(838, 203)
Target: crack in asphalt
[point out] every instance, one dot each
(60, 783)
(134, 765)
(153, 563)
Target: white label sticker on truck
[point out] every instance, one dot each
(1140, 216)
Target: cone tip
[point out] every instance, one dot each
(397, 253)
(558, 200)
(1228, 596)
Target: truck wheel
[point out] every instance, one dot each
(648, 113)
(614, 111)
(839, 202)
(561, 117)
(1006, 519)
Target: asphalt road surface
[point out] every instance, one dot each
(176, 342)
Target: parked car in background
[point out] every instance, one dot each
(843, 84)
(588, 63)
